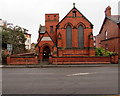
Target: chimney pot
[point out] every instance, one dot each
(108, 11)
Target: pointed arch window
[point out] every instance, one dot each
(80, 36)
(69, 36)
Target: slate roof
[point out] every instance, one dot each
(42, 29)
(114, 18)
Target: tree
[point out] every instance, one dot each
(15, 36)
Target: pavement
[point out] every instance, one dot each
(57, 66)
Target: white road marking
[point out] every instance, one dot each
(77, 74)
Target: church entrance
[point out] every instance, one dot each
(46, 53)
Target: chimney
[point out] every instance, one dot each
(108, 11)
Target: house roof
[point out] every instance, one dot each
(79, 12)
(42, 29)
(114, 18)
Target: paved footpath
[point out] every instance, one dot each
(52, 66)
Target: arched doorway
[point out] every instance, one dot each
(46, 53)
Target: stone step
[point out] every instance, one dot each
(80, 62)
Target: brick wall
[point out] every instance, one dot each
(74, 23)
(26, 58)
(84, 60)
(22, 60)
(76, 52)
(98, 41)
(111, 42)
(51, 20)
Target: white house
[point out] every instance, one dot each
(28, 41)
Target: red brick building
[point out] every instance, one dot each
(109, 35)
(72, 36)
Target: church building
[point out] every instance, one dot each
(70, 37)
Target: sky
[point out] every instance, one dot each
(30, 14)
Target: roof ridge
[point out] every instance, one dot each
(114, 18)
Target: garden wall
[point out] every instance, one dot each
(22, 59)
(84, 60)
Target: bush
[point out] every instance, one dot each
(4, 57)
(102, 52)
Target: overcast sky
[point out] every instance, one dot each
(30, 14)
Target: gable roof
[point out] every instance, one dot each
(79, 12)
(114, 18)
(43, 36)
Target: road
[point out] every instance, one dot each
(76, 80)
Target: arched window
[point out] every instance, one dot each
(68, 36)
(80, 37)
